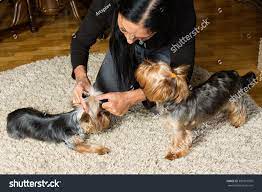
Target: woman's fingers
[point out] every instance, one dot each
(81, 88)
(84, 105)
(118, 103)
(106, 96)
(75, 99)
(107, 106)
(80, 100)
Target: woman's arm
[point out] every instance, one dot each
(93, 25)
(136, 96)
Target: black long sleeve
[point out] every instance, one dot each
(93, 25)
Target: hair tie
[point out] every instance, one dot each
(173, 75)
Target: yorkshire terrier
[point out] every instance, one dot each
(185, 109)
(70, 128)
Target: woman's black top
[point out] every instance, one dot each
(99, 18)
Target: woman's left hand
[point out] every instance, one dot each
(118, 102)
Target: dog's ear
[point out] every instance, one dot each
(181, 70)
(180, 76)
(104, 119)
(85, 121)
(140, 74)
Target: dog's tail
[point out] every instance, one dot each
(248, 80)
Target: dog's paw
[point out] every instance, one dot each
(85, 148)
(175, 155)
(103, 151)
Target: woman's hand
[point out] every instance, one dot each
(119, 102)
(81, 87)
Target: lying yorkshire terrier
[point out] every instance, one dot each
(70, 128)
(184, 109)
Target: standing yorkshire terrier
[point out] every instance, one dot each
(70, 128)
(184, 109)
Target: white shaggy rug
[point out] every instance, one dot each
(260, 55)
(138, 142)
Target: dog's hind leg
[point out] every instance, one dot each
(236, 112)
(15, 134)
(79, 145)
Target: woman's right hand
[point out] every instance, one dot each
(81, 87)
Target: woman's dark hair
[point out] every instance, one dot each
(154, 14)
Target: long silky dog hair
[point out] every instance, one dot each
(184, 109)
(71, 127)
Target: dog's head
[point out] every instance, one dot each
(161, 83)
(96, 119)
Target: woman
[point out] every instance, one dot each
(139, 29)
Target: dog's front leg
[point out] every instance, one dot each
(181, 140)
(78, 144)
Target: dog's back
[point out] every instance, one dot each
(212, 96)
(28, 122)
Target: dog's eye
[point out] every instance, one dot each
(85, 95)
